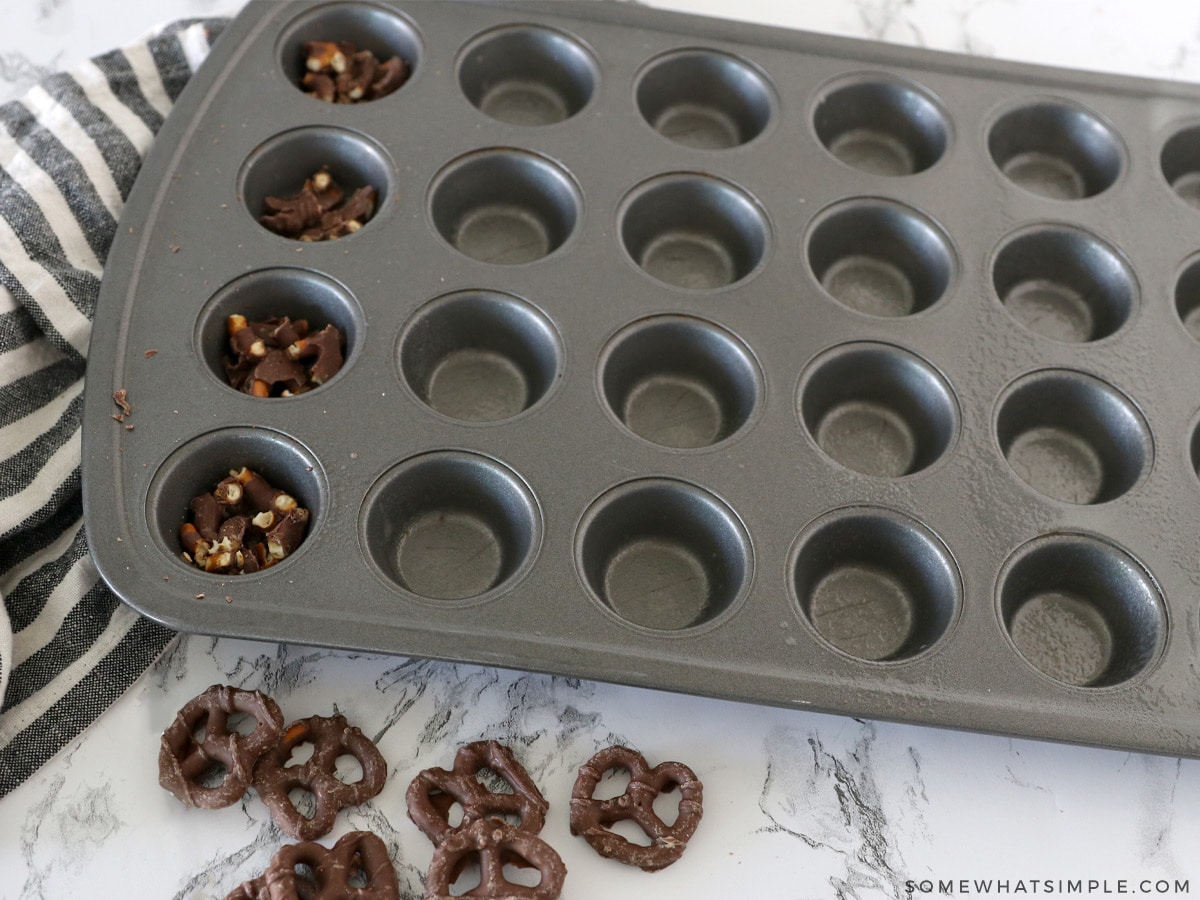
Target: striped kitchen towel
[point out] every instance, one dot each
(69, 153)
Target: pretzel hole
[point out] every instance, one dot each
(612, 784)
(213, 776)
(306, 880)
(666, 804)
(631, 831)
(518, 870)
(348, 769)
(467, 875)
(494, 781)
(200, 729)
(304, 800)
(454, 815)
(357, 876)
(301, 754)
(243, 723)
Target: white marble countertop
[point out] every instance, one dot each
(797, 805)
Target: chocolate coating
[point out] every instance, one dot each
(359, 857)
(331, 737)
(591, 818)
(497, 843)
(183, 762)
(434, 791)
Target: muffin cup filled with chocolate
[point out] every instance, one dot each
(350, 52)
(316, 183)
(279, 332)
(236, 501)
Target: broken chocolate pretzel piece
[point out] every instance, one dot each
(591, 818)
(331, 737)
(198, 743)
(357, 867)
(314, 213)
(339, 72)
(281, 357)
(324, 348)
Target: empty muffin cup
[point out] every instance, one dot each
(1057, 150)
(881, 125)
(1072, 437)
(201, 463)
(1180, 161)
(527, 75)
(877, 409)
(1064, 284)
(704, 99)
(693, 231)
(504, 206)
(450, 526)
(1081, 610)
(1187, 296)
(680, 382)
(880, 257)
(664, 555)
(480, 356)
(875, 584)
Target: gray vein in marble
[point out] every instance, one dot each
(885, 20)
(1158, 814)
(19, 69)
(39, 813)
(47, 9)
(972, 41)
(855, 827)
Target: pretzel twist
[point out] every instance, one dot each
(591, 818)
(331, 737)
(434, 792)
(184, 762)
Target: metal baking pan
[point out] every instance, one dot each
(686, 354)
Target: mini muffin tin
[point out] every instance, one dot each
(686, 354)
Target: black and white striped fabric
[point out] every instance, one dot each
(69, 153)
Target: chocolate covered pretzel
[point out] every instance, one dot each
(591, 818)
(186, 760)
(357, 867)
(434, 791)
(331, 737)
(496, 843)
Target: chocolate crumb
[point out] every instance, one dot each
(120, 397)
(150, 353)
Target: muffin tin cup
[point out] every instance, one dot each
(687, 354)
(880, 124)
(527, 75)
